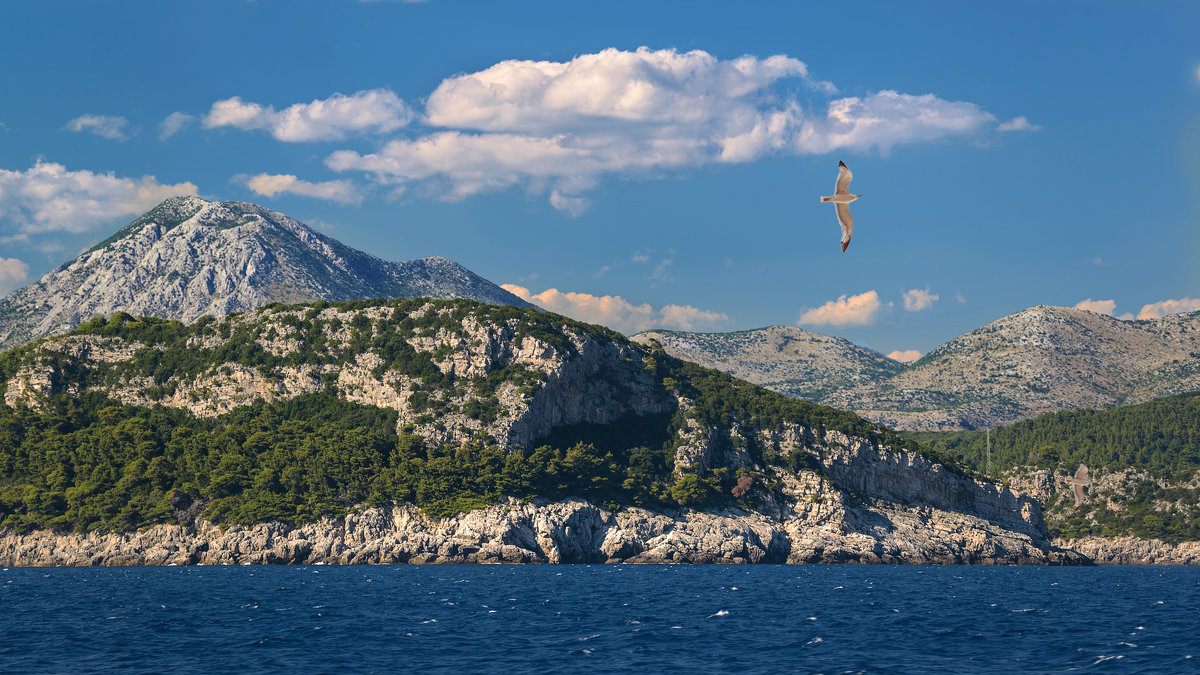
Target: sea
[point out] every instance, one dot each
(600, 619)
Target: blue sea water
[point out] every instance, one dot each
(599, 619)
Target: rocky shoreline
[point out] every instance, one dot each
(571, 531)
(1133, 551)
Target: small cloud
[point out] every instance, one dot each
(333, 118)
(1127, 316)
(173, 124)
(104, 126)
(1157, 310)
(1097, 261)
(604, 269)
(1097, 306)
(917, 299)
(321, 225)
(960, 298)
(340, 191)
(618, 313)
(662, 271)
(13, 273)
(906, 356)
(641, 256)
(856, 310)
(572, 206)
(1018, 124)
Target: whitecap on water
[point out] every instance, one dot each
(720, 612)
(430, 621)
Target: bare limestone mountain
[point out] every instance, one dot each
(189, 257)
(1039, 360)
(791, 361)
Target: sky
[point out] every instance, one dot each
(642, 164)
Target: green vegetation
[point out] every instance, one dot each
(94, 464)
(1151, 511)
(1161, 435)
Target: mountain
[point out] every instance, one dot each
(1038, 360)
(791, 361)
(436, 430)
(189, 257)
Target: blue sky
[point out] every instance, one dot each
(642, 164)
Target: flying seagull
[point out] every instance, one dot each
(1080, 479)
(841, 199)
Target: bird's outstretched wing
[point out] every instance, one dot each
(843, 179)
(847, 221)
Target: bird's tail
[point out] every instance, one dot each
(826, 199)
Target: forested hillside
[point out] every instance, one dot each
(1161, 435)
(1143, 462)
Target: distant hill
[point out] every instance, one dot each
(189, 257)
(791, 361)
(1039, 360)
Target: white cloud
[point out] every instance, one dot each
(1127, 316)
(340, 191)
(13, 273)
(48, 197)
(373, 111)
(173, 124)
(1019, 124)
(917, 299)
(888, 118)
(906, 356)
(563, 125)
(960, 298)
(572, 206)
(618, 313)
(640, 256)
(856, 310)
(1156, 310)
(104, 126)
(1097, 306)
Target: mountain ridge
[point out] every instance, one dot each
(1041, 359)
(188, 257)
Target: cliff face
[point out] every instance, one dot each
(189, 257)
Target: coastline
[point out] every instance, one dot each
(570, 531)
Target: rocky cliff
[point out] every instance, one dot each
(189, 257)
(1039, 360)
(560, 532)
(784, 480)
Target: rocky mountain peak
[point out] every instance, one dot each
(188, 257)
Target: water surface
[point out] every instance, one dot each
(601, 619)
